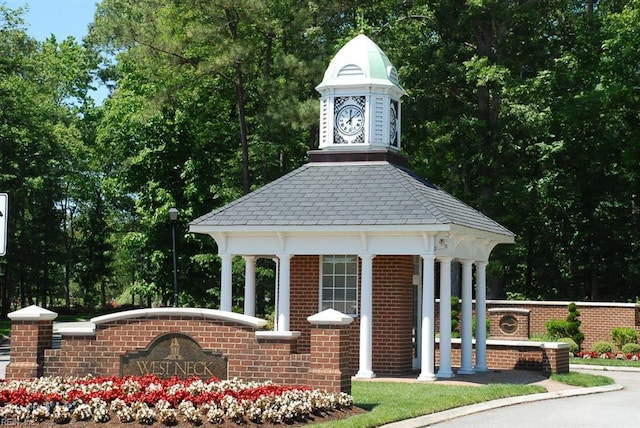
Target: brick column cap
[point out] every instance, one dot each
(32, 313)
(554, 345)
(330, 317)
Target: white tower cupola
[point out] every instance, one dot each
(360, 99)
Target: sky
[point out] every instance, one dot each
(61, 18)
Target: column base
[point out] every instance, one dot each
(445, 375)
(427, 377)
(482, 369)
(465, 371)
(365, 374)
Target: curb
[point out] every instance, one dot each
(434, 418)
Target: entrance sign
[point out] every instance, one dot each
(4, 211)
(174, 354)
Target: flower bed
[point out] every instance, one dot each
(148, 400)
(609, 355)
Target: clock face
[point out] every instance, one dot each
(350, 119)
(393, 124)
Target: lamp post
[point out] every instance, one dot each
(173, 216)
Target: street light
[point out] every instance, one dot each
(173, 216)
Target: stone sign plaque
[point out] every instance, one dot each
(174, 354)
(509, 324)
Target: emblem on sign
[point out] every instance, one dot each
(174, 354)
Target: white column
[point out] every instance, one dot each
(467, 316)
(444, 371)
(481, 311)
(226, 290)
(284, 292)
(365, 371)
(250, 285)
(427, 353)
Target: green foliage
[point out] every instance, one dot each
(573, 325)
(573, 346)
(567, 328)
(602, 347)
(631, 348)
(556, 329)
(530, 118)
(455, 316)
(474, 324)
(620, 336)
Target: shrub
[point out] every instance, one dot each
(455, 301)
(573, 325)
(556, 329)
(602, 347)
(487, 323)
(631, 348)
(623, 335)
(573, 346)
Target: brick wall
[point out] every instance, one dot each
(392, 314)
(513, 355)
(250, 356)
(392, 310)
(598, 319)
(304, 295)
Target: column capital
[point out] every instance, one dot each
(367, 256)
(249, 258)
(467, 261)
(481, 263)
(445, 259)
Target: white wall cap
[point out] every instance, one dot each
(522, 343)
(182, 312)
(32, 313)
(510, 310)
(330, 317)
(80, 328)
(554, 345)
(277, 335)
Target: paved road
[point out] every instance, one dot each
(610, 409)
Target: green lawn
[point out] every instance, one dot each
(604, 362)
(394, 401)
(388, 402)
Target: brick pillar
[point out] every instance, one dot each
(555, 357)
(329, 359)
(31, 334)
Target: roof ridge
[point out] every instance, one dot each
(412, 188)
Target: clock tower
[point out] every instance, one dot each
(360, 99)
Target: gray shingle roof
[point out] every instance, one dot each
(361, 193)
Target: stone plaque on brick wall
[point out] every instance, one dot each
(174, 354)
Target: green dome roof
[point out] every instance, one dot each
(360, 62)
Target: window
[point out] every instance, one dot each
(339, 284)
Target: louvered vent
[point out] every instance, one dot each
(350, 70)
(393, 75)
(378, 110)
(324, 122)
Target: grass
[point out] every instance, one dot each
(394, 401)
(604, 362)
(388, 402)
(582, 379)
